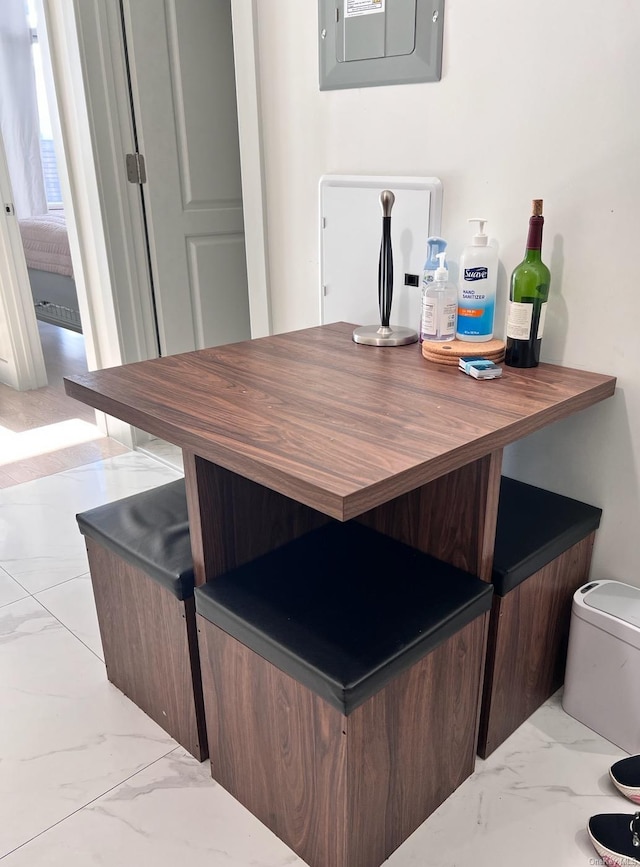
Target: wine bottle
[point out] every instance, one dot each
(528, 297)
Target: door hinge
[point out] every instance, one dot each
(136, 171)
(9, 209)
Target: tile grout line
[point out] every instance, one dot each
(34, 597)
(44, 589)
(69, 630)
(30, 595)
(88, 804)
(13, 601)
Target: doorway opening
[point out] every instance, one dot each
(41, 430)
(30, 128)
(111, 262)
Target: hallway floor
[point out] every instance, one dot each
(43, 431)
(87, 779)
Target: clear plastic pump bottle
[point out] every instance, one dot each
(439, 306)
(435, 245)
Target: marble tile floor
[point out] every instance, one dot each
(87, 779)
(164, 452)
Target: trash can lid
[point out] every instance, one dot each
(619, 600)
(611, 606)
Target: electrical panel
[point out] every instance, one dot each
(364, 43)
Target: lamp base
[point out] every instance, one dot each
(384, 335)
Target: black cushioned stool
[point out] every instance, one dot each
(342, 675)
(542, 556)
(142, 574)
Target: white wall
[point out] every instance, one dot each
(537, 100)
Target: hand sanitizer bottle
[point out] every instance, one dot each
(439, 306)
(477, 294)
(435, 245)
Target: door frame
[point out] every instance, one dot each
(244, 15)
(24, 369)
(86, 48)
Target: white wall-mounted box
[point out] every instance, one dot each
(350, 235)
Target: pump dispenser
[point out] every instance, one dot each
(435, 245)
(477, 295)
(479, 239)
(442, 272)
(439, 303)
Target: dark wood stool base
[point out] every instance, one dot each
(150, 646)
(341, 791)
(527, 647)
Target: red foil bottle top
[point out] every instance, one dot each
(536, 222)
(534, 238)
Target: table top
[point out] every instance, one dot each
(336, 425)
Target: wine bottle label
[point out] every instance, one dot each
(543, 313)
(519, 320)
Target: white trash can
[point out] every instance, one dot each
(602, 679)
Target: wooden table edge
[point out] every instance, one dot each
(345, 506)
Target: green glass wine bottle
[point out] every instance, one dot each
(528, 299)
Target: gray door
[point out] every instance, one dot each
(184, 104)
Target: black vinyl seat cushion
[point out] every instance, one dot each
(343, 609)
(534, 527)
(149, 530)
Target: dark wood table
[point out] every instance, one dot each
(283, 433)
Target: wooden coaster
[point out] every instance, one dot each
(450, 351)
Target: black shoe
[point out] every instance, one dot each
(616, 838)
(626, 777)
